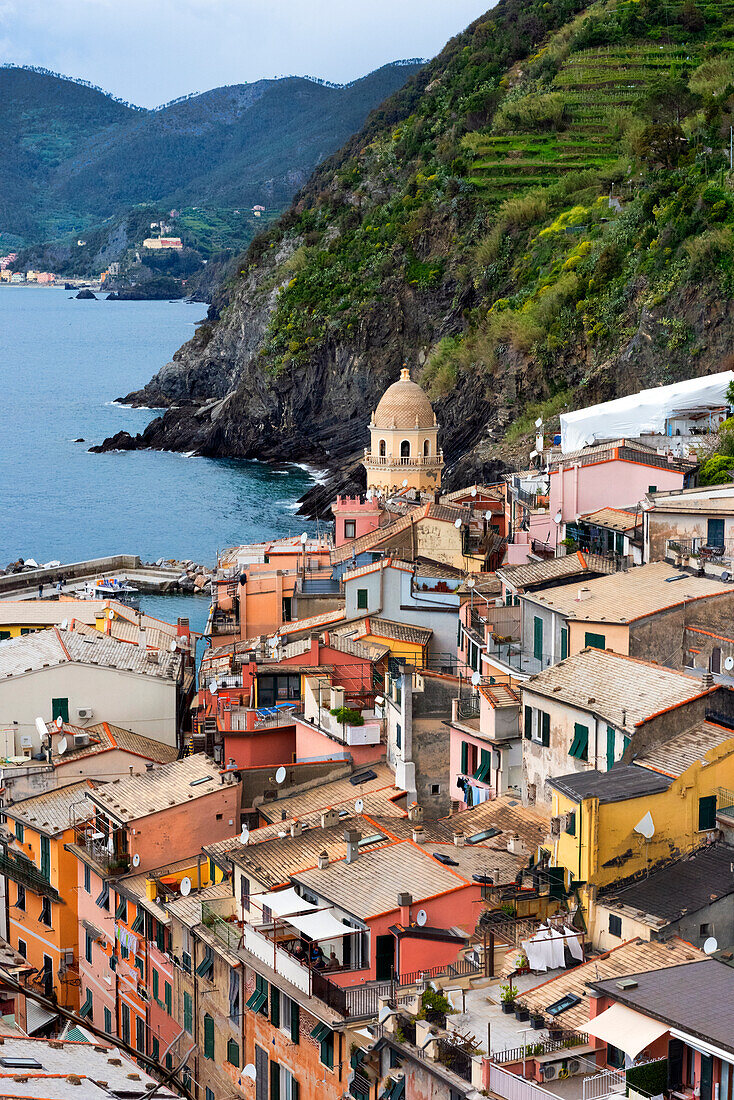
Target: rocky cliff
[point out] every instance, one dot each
(539, 219)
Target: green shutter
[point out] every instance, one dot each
(564, 642)
(208, 1036)
(327, 1050)
(295, 1021)
(274, 1081)
(707, 812)
(188, 1015)
(484, 770)
(464, 757)
(274, 1006)
(595, 641)
(168, 993)
(538, 638)
(60, 709)
(544, 729)
(233, 1052)
(45, 857)
(156, 987)
(580, 744)
(528, 723)
(611, 743)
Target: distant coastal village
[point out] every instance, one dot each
(438, 803)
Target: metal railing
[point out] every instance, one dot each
(20, 869)
(567, 1041)
(512, 1087)
(112, 862)
(227, 931)
(454, 1057)
(400, 460)
(514, 655)
(725, 802)
(722, 550)
(468, 706)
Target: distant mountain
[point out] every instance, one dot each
(74, 156)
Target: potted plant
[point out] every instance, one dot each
(536, 1021)
(508, 993)
(521, 1012)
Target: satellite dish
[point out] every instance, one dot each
(476, 678)
(110, 615)
(380, 700)
(64, 624)
(249, 1071)
(173, 646)
(457, 524)
(710, 946)
(59, 722)
(136, 860)
(244, 835)
(280, 775)
(645, 827)
(533, 454)
(474, 491)
(421, 917)
(558, 517)
(41, 727)
(405, 483)
(62, 746)
(470, 583)
(213, 687)
(185, 887)
(359, 805)
(304, 539)
(729, 663)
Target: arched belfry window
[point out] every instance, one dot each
(382, 448)
(426, 448)
(405, 449)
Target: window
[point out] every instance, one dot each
(125, 1014)
(22, 948)
(233, 1052)
(19, 832)
(484, 771)
(20, 899)
(87, 879)
(707, 812)
(167, 997)
(704, 930)
(435, 788)
(140, 1034)
(283, 1085)
(544, 728)
(615, 925)
(209, 1095)
(564, 642)
(350, 528)
(234, 996)
(538, 638)
(426, 448)
(528, 730)
(563, 1004)
(382, 449)
(60, 709)
(362, 599)
(405, 448)
(208, 1036)
(205, 969)
(155, 1048)
(121, 910)
(595, 641)
(88, 941)
(261, 1073)
(4, 635)
(186, 950)
(103, 899)
(287, 609)
(571, 823)
(45, 917)
(580, 744)
(188, 1015)
(398, 736)
(156, 986)
(324, 1036)
(45, 857)
(715, 532)
(108, 1021)
(160, 937)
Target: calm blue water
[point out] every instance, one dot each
(62, 363)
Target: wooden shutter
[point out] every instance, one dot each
(274, 1081)
(274, 1006)
(545, 728)
(295, 1021)
(528, 723)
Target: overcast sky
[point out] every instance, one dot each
(149, 51)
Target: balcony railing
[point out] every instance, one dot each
(411, 460)
(725, 802)
(95, 846)
(720, 551)
(20, 869)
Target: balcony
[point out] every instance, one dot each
(20, 869)
(717, 553)
(94, 845)
(251, 720)
(411, 461)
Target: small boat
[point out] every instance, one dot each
(111, 588)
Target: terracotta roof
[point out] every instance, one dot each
(625, 597)
(677, 754)
(404, 405)
(371, 883)
(50, 648)
(520, 577)
(355, 547)
(500, 695)
(54, 811)
(632, 957)
(377, 627)
(50, 612)
(272, 861)
(376, 566)
(378, 795)
(312, 623)
(507, 813)
(714, 500)
(601, 682)
(493, 491)
(615, 519)
(161, 786)
(105, 738)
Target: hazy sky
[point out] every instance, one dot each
(149, 51)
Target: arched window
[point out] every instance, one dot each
(382, 448)
(405, 449)
(426, 448)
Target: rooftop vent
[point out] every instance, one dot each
(627, 983)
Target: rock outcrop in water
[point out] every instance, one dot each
(86, 295)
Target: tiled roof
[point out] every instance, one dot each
(634, 956)
(371, 883)
(377, 794)
(376, 566)
(676, 755)
(614, 519)
(493, 491)
(684, 886)
(404, 405)
(530, 823)
(696, 998)
(50, 612)
(50, 648)
(73, 1068)
(521, 577)
(161, 786)
(358, 546)
(715, 500)
(631, 449)
(272, 862)
(54, 811)
(501, 695)
(312, 623)
(600, 681)
(377, 627)
(188, 909)
(625, 597)
(104, 738)
(368, 651)
(621, 782)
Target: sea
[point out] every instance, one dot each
(63, 362)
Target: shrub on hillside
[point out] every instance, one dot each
(532, 112)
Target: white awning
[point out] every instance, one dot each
(283, 902)
(626, 1029)
(37, 1017)
(321, 926)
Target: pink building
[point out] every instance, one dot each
(353, 517)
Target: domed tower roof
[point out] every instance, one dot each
(404, 405)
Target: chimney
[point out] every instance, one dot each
(459, 840)
(314, 654)
(352, 838)
(296, 828)
(496, 876)
(415, 813)
(583, 594)
(405, 901)
(419, 834)
(707, 680)
(329, 817)
(516, 846)
(323, 860)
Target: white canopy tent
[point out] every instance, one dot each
(626, 1029)
(641, 413)
(283, 903)
(322, 925)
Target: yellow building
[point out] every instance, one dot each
(41, 880)
(403, 448)
(607, 826)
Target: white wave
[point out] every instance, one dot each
(313, 472)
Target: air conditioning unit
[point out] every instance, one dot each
(81, 740)
(549, 1071)
(85, 712)
(555, 826)
(573, 1065)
